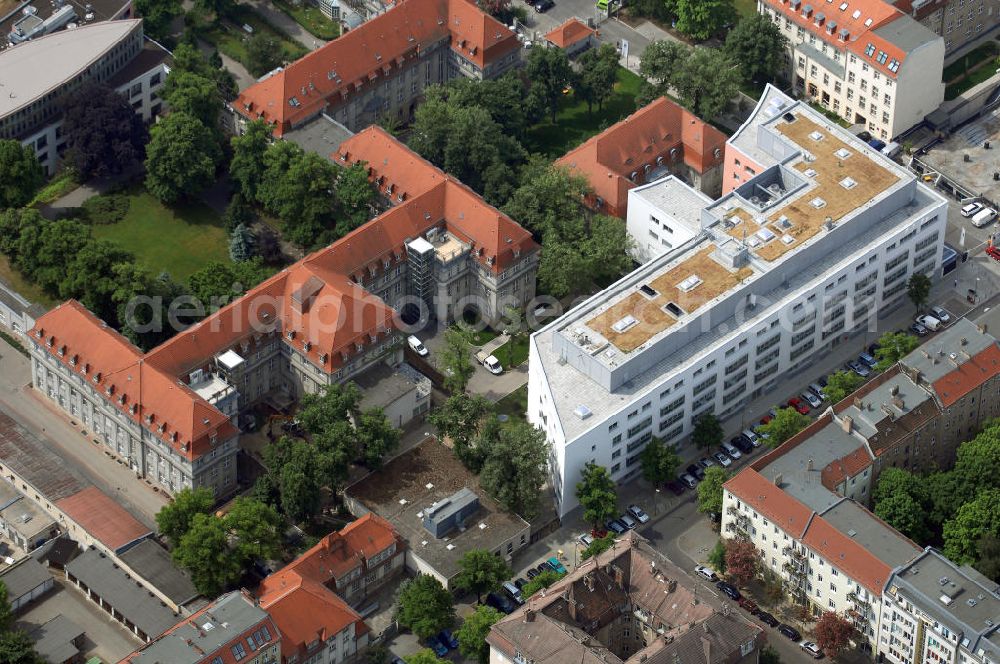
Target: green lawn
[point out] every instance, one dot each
(311, 18)
(574, 124)
(969, 60)
(27, 289)
(513, 353)
(179, 239)
(229, 37)
(515, 404)
(745, 7)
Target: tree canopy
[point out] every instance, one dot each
(104, 135)
(840, 384)
(460, 419)
(758, 48)
(598, 72)
(157, 15)
(707, 431)
(918, 289)
(425, 606)
(894, 346)
(174, 519)
(701, 19)
(481, 571)
(181, 157)
(742, 560)
(597, 494)
(543, 580)
(833, 633)
(710, 490)
(472, 634)
(455, 360)
(194, 94)
(515, 468)
(550, 73)
(20, 174)
(205, 553)
(659, 462)
(247, 167)
(786, 423)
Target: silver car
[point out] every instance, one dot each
(941, 314)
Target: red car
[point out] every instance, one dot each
(766, 419)
(798, 405)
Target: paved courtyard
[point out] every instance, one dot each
(976, 174)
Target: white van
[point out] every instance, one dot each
(984, 217)
(418, 347)
(929, 322)
(892, 149)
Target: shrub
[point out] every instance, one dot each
(106, 209)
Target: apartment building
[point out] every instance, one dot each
(171, 414)
(111, 52)
(936, 611)
(790, 263)
(380, 69)
(232, 628)
(629, 604)
(867, 61)
(660, 138)
(959, 22)
(803, 504)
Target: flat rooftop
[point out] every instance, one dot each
(23, 515)
(948, 157)
(412, 482)
(32, 460)
(154, 564)
(87, 11)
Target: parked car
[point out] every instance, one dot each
(811, 399)
(532, 573)
(398, 660)
(723, 460)
(512, 592)
(812, 649)
(706, 572)
(696, 471)
(868, 360)
(556, 565)
(790, 632)
(872, 349)
(617, 526)
(929, 322)
(586, 539)
(544, 566)
(543, 6)
(859, 368)
(749, 605)
(520, 582)
(689, 480)
(493, 365)
(440, 649)
(877, 144)
(638, 514)
(498, 602)
(822, 380)
(417, 346)
(732, 450)
(984, 217)
(729, 590)
(742, 443)
(629, 522)
(773, 412)
(706, 462)
(797, 404)
(446, 637)
(677, 487)
(941, 314)
(767, 619)
(752, 436)
(919, 330)
(971, 209)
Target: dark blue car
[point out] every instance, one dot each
(435, 644)
(446, 637)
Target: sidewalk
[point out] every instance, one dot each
(286, 24)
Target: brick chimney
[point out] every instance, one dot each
(847, 423)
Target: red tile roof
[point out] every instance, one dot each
(336, 315)
(972, 373)
(769, 500)
(140, 390)
(847, 555)
(105, 520)
(859, 17)
(306, 611)
(648, 136)
(847, 466)
(354, 62)
(569, 33)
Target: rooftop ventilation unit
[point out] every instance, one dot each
(842, 153)
(582, 412)
(690, 283)
(624, 324)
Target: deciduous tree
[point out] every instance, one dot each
(717, 556)
(973, 521)
(904, 514)
(248, 165)
(598, 546)
(104, 135)
(157, 15)
(20, 174)
(840, 384)
(194, 94)
(460, 419)
(894, 346)
(263, 54)
(758, 48)
(481, 571)
(543, 580)
(598, 73)
(204, 552)
(742, 560)
(425, 656)
(710, 490)
(181, 157)
(472, 634)
(256, 528)
(659, 462)
(597, 494)
(376, 437)
(175, 518)
(661, 65)
(550, 73)
(701, 19)
(707, 431)
(786, 423)
(16, 647)
(918, 289)
(833, 633)
(424, 606)
(707, 82)
(455, 360)
(516, 467)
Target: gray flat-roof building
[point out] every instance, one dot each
(26, 580)
(21, 520)
(121, 595)
(59, 640)
(152, 562)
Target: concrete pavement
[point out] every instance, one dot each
(286, 24)
(65, 437)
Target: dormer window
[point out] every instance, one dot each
(162, 427)
(62, 351)
(290, 334)
(110, 390)
(97, 377)
(73, 360)
(306, 346)
(149, 418)
(51, 342)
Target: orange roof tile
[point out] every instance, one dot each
(569, 33)
(356, 59)
(768, 499)
(103, 518)
(980, 368)
(645, 138)
(859, 17)
(847, 555)
(306, 611)
(845, 467)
